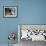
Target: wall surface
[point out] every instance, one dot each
(32, 11)
(7, 25)
(29, 12)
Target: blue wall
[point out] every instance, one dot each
(7, 25)
(29, 12)
(32, 11)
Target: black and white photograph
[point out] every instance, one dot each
(31, 34)
(10, 11)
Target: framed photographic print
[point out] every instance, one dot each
(33, 32)
(10, 11)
